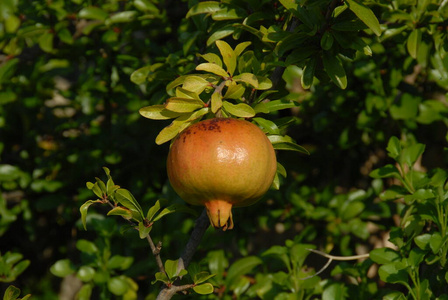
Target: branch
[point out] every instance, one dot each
(201, 225)
(331, 258)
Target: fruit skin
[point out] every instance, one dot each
(220, 163)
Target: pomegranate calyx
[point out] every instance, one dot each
(220, 214)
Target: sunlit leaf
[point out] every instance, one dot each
(158, 112)
(241, 110)
(212, 68)
(248, 78)
(206, 7)
(183, 105)
(228, 56)
(216, 102)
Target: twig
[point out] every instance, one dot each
(331, 258)
(168, 293)
(154, 249)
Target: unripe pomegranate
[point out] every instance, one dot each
(220, 163)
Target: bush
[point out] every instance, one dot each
(360, 86)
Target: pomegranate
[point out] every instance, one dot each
(221, 163)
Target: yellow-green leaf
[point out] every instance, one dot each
(212, 58)
(228, 56)
(216, 102)
(248, 78)
(185, 93)
(234, 91)
(241, 110)
(182, 122)
(240, 48)
(264, 83)
(158, 112)
(413, 42)
(195, 84)
(212, 68)
(183, 105)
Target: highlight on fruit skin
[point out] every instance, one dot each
(221, 163)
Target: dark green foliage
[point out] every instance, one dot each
(359, 85)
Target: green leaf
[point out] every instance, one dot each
(280, 253)
(46, 42)
(85, 292)
(335, 291)
(241, 110)
(234, 91)
(248, 78)
(125, 198)
(280, 142)
(229, 12)
(120, 262)
(410, 154)
(84, 208)
(394, 272)
(212, 58)
(202, 277)
(195, 84)
(365, 14)
(204, 289)
(206, 7)
(228, 56)
(122, 17)
(212, 68)
(334, 69)
(241, 47)
(436, 242)
(118, 285)
(264, 83)
(86, 273)
(384, 255)
(93, 13)
(172, 209)
(240, 268)
(171, 267)
(121, 211)
(279, 104)
(183, 105)
(308, 73)
(153, 210)
(11, 293)
(394, 147)
(216, 102)
(86, 246)
(62, 268)
(158, 112)
(179, 124)
(221, 33)
(422, 241)
(161, 276)
(385, 172)
(326, 42)
(268, 126)
(413, 42)
(143, 230)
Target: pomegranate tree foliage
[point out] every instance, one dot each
(360, 85)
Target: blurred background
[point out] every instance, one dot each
(69, 106)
